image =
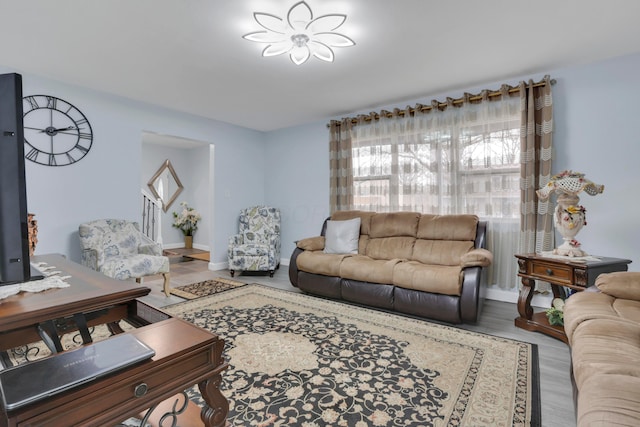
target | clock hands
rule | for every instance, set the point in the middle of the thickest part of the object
(51, 129)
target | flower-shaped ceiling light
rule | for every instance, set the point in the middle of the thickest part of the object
(300, 35)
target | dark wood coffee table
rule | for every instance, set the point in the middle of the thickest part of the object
(186, 355)
(100, 298)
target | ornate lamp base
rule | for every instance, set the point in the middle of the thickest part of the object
(569, 218)
(571, 248)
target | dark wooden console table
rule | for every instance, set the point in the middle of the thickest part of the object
(560, 273)
(100, 298)
(186, 355)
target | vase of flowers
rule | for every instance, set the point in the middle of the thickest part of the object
(187, 222)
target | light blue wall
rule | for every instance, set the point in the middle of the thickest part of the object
(596, 111)
(597, 114)
(106, 183)
(297, 180)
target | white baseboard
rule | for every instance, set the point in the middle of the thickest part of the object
(538, 300)
(214, 266)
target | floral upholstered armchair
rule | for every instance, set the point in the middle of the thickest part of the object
(256, 247)
(119, 250)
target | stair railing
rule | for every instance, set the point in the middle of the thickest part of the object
(151, 216)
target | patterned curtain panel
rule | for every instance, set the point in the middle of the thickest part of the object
(340, 177)
(536, 218)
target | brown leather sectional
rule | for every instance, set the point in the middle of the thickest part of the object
(424, 265)
(603, 328)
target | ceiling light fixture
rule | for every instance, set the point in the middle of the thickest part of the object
(300, 35)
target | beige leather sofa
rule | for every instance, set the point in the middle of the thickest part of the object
(425, 265)
(603, 328)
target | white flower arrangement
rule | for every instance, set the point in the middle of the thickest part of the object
(187, 220)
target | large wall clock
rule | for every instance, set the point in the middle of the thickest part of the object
(55, 132)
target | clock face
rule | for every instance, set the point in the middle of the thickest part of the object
(55, 132)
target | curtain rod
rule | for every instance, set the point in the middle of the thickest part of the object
(491, 94)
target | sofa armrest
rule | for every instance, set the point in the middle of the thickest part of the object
(293, 267)
(89, 258)
(476, 258)
(620, 284)
(150, 249)
(311, 243)
(148, 246)
(471, 296)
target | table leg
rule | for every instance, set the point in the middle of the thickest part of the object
(214, 414)
(524, 300)
(558, 291)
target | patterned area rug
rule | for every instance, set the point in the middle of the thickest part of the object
(206, 288)
(304, 361)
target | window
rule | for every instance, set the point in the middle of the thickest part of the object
(463, 160)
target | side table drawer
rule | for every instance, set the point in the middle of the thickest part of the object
(552, 273)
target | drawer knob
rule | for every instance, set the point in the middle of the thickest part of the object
(549, 272)
(140, 390)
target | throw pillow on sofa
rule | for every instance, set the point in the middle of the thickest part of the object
(341, 237)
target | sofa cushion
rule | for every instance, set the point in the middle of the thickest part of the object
(584, 306)
(366, 269)
(341, 237)
(621, 284)
(134, 266)
(437, 279)
(609, 400)
(319, 262)
(365, 218)
(440, 252)
(390, 247)
(394, 224)
(448, 227)
(605, 346)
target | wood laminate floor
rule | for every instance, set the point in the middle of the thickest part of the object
(496, 319)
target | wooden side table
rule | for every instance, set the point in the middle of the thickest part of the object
(560, 273)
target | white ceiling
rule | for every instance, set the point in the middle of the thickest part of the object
(189, 55)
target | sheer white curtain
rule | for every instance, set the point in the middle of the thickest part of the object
(453, 160)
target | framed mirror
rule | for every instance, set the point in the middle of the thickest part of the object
(165, 185)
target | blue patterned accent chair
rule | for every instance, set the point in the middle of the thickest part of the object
(257, 245)
(119, 250)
